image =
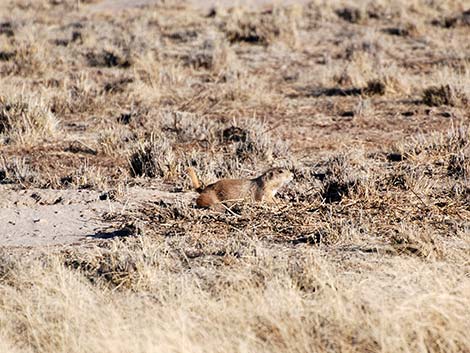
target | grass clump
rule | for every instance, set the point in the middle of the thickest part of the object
(214, 148)
(375, 87)
(350, 14)
(263, 29)
(458, 165)
(25, 120)
(152, 158)
(16, 171)
(459, 20)
(436, 96)
(409, 240)
(26, 59)
(107, 58)
(341, 178)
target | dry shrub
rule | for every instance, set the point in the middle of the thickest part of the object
(351, 14)
(117, 85)
(444, 95)
(108, 58)
(401, 178)
(259, 147)
(7, 55)
(115, 141)
(375, 87)
(183, 127)
(454, 141)
(371, 10)
(85, 176)
(111, 268)
(342, 177)
(213, 55)
(7, 29)
(412, 240)
(17, 171)
(153, 78)
(182, 140)
(28, 58)
(183, 35)
(459, 191)
(460, 20)
(153, 158)
(262, 28)
(77, 93)
(459, 165)
(25, 120)
(48, 5)
(406, 30)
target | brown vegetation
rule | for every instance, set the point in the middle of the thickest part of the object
(367, 103)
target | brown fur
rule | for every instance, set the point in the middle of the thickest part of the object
(262, 188)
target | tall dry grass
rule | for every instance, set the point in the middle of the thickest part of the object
(25, 120)
(147, 298)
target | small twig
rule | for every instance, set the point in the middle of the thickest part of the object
(419, 198)
(230, 211)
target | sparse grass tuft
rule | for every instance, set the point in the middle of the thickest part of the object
(107, 58)
(213, 55)
(458, 20)
(417, 242)
(264, 28)
(26, 58)
(351, 14)
(341, 178)
(375, 87)
(153, 158)
(444, 95)
(25, 120)
(459, 165)
(17, 171)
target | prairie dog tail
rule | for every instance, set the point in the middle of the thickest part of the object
(194, 179)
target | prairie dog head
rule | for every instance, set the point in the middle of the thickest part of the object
(275, 178)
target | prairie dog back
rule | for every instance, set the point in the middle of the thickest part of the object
(262, 188)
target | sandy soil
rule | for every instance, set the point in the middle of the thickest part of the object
(41, 217)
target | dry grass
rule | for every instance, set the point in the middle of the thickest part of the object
(366, 102)
(25, 120)
(149, 297)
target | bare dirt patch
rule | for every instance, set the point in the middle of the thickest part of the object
(45, 217)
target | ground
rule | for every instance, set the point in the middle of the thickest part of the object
(105, 104)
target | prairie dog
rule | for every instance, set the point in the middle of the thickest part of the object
(262, 188)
